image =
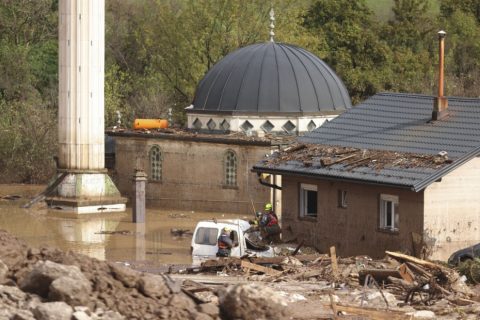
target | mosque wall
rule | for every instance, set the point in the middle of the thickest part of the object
(193, 174)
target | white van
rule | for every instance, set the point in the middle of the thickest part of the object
(205, 237)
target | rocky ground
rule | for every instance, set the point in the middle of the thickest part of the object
(46, 283)
(50, 284)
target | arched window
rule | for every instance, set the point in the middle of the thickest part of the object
(155, 156)
(230, 168)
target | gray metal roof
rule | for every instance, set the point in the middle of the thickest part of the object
(271, 77)
(396, 122)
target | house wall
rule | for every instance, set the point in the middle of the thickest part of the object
(452, 210)
(353, 230)
(193, 175)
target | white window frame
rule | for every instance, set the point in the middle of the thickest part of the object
(389, 207)
(304, 188)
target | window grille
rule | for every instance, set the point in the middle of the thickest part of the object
(230, 161)
(155, 163)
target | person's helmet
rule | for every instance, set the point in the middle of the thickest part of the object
(227, 229)
(268, 207)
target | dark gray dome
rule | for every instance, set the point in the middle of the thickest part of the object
(271, 77)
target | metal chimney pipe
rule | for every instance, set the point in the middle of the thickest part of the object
(441, 55)
(440, 103)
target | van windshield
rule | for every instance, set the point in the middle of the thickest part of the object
(206, 236)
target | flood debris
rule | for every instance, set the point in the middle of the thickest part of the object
(180, 232)
(120, 232)
(10, 197)
(325, 156)
(396, 287)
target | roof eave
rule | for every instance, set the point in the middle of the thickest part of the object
(328, 177)
(446, 170)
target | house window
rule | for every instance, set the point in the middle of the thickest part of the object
(230, 165)
(342, 198)
(308, 200)
(155, 163)
(389, 215)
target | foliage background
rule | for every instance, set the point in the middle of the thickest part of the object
(158, 50)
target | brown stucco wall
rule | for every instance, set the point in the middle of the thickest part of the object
(452, 210)
(192, 174)
(354, 230)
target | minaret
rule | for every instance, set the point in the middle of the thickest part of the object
(272, 24)
(85, 187)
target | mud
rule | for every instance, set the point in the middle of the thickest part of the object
(108, 236)
(131, 294)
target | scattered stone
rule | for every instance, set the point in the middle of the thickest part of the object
(251, 301)
(209, 308)
(127, 276)
(80, 315)
(153, 286)
(3, 272)
(424, 314)
(75, 292)
(53, 311)
(44, 273)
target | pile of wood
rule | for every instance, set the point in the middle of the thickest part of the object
(412, 280)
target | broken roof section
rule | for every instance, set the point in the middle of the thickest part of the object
(392, 137)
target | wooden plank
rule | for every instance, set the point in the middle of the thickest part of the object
(266, 270)
(406, 273)
(333, 256)
(380, 275)
(420, 262)
(213, 263)
(373, 313)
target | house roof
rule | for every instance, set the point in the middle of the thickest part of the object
(398, 123)
(271, 78)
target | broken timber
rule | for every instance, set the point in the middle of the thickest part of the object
(256, 267)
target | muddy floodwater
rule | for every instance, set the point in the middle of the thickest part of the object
(107, 236)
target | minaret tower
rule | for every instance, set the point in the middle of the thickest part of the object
(85, 186)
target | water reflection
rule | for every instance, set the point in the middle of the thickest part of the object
(108, 236)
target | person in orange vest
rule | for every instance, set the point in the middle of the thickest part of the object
(269, 223)
(225, 243)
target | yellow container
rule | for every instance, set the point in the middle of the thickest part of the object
(150, 124)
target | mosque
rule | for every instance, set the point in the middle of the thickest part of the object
(249, 104)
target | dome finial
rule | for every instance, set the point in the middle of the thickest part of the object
(272, 25)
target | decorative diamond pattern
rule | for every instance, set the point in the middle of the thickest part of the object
(267, 126)
(289, 126)
(224, 125)
(311, 126)
(197, 124)
(246, 126)
(211, 124)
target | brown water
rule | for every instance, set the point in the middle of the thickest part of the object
(148, 244)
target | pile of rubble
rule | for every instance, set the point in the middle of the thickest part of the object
(50, 284)
(394, 287)
(325, 156)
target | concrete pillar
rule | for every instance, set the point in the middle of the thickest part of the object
(138, 206)
(86, 188)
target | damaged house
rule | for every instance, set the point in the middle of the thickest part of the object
(382, 175)
(397, 172)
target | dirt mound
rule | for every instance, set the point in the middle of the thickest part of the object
(109, 291)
